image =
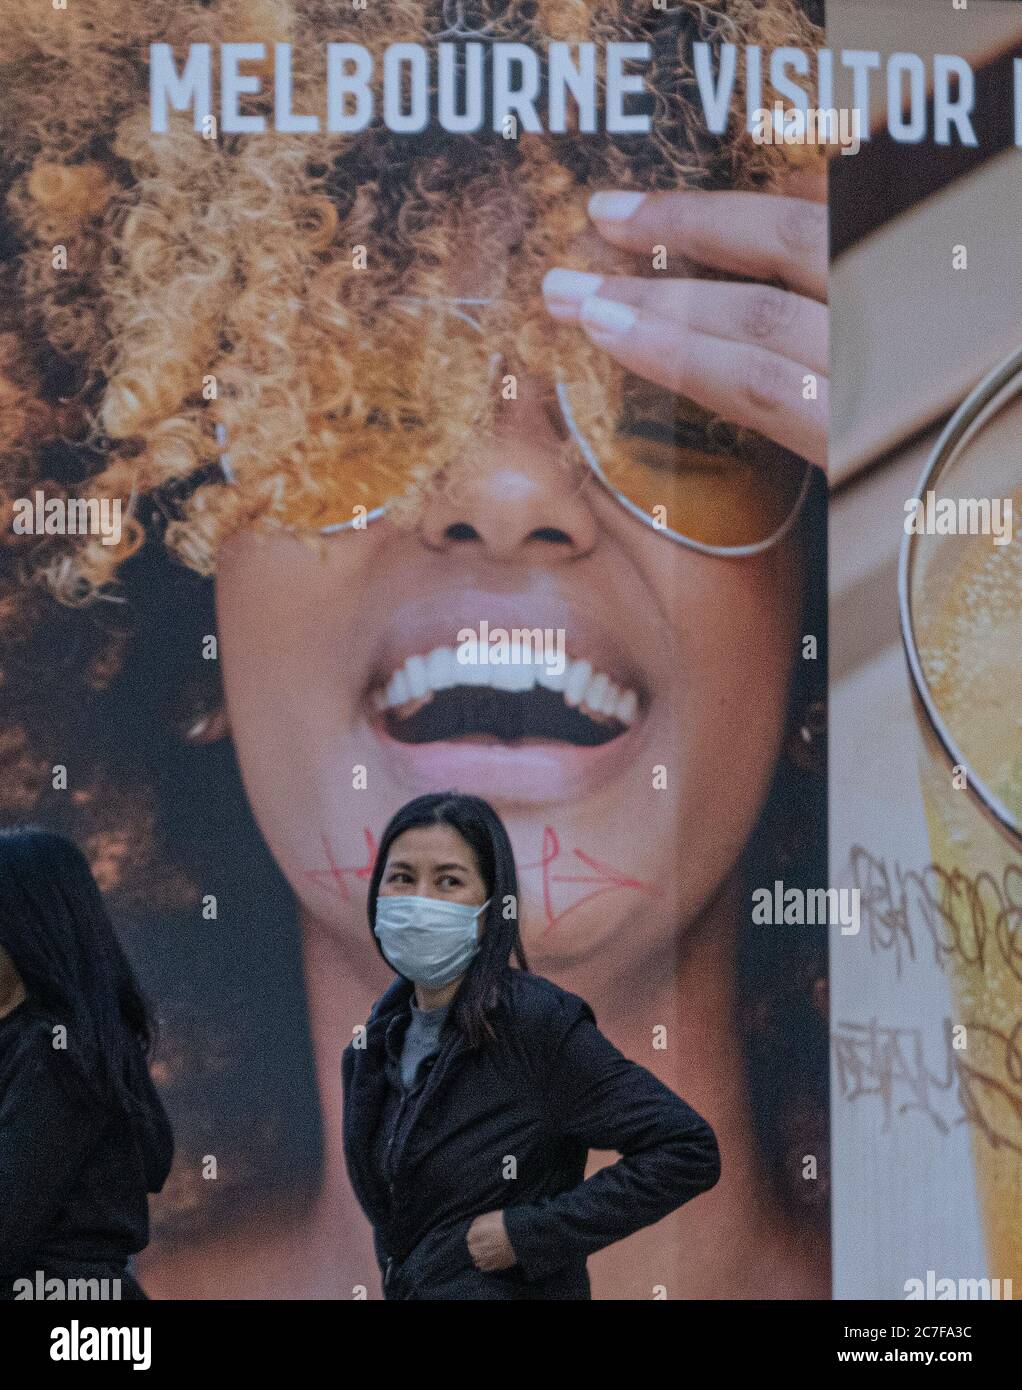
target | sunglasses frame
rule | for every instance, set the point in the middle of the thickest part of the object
(736, 552)
(457, 308)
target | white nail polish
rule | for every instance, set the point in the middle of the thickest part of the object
(573, 285)
(614, 207)
(608, 316)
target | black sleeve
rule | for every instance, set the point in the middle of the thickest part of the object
(45, 1138)
(347, 1066)
(158, 1175)
(149, 1122)
(381, 1254)
(159, 1150)
(669, 1154)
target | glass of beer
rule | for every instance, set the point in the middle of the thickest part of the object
(960, 595)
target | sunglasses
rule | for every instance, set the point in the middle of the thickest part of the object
(714, 492)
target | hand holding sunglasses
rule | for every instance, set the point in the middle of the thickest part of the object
(741, 350)
(685, 347)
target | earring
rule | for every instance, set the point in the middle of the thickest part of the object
(207, 728)
(806, 745)
(200, 715)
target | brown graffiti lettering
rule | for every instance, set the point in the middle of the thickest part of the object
(888, 1063)
(972, 918)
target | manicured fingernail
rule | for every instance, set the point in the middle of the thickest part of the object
(614, 207)
(607, 318)
(564, 291)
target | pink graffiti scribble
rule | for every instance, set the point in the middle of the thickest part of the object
(607, 878)
(604, 878)
(336, 874)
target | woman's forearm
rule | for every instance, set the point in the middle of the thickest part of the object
(638, 1190)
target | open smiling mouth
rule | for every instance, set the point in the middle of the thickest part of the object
(435, 698)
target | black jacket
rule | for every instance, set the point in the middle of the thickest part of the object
(509, 1126)
(73, 1180)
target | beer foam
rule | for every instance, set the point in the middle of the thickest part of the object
(970, 646)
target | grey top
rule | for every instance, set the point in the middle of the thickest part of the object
(421, 1040)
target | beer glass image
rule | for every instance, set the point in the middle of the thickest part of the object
(961, 620)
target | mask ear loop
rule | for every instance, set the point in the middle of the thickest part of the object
(722, 551)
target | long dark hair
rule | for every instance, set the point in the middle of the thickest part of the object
(479, 826)
(783, 976)
(56, 929)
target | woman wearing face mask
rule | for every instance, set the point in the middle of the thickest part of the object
(475, 1091)
(83, 1134)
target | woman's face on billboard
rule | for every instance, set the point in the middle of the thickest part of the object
(622, 831)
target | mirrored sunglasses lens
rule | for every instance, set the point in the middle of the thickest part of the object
(685, 471)
(342, 500)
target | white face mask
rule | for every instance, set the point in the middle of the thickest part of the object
(428, 940)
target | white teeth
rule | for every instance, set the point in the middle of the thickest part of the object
(627, 707)
(416, 670)
(595, 691)
(398, 691)
(500, 677)
(471, 673)
(610, 699)
(440, 673)
(421, 676)
(520, 677)
(552, 680)
(580, 673)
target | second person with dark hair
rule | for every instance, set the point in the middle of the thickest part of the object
(476, 1089)
(84, 1137)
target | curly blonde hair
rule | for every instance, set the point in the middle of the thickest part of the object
(209, 291)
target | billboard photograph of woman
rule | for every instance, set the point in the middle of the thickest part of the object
(361, 395)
